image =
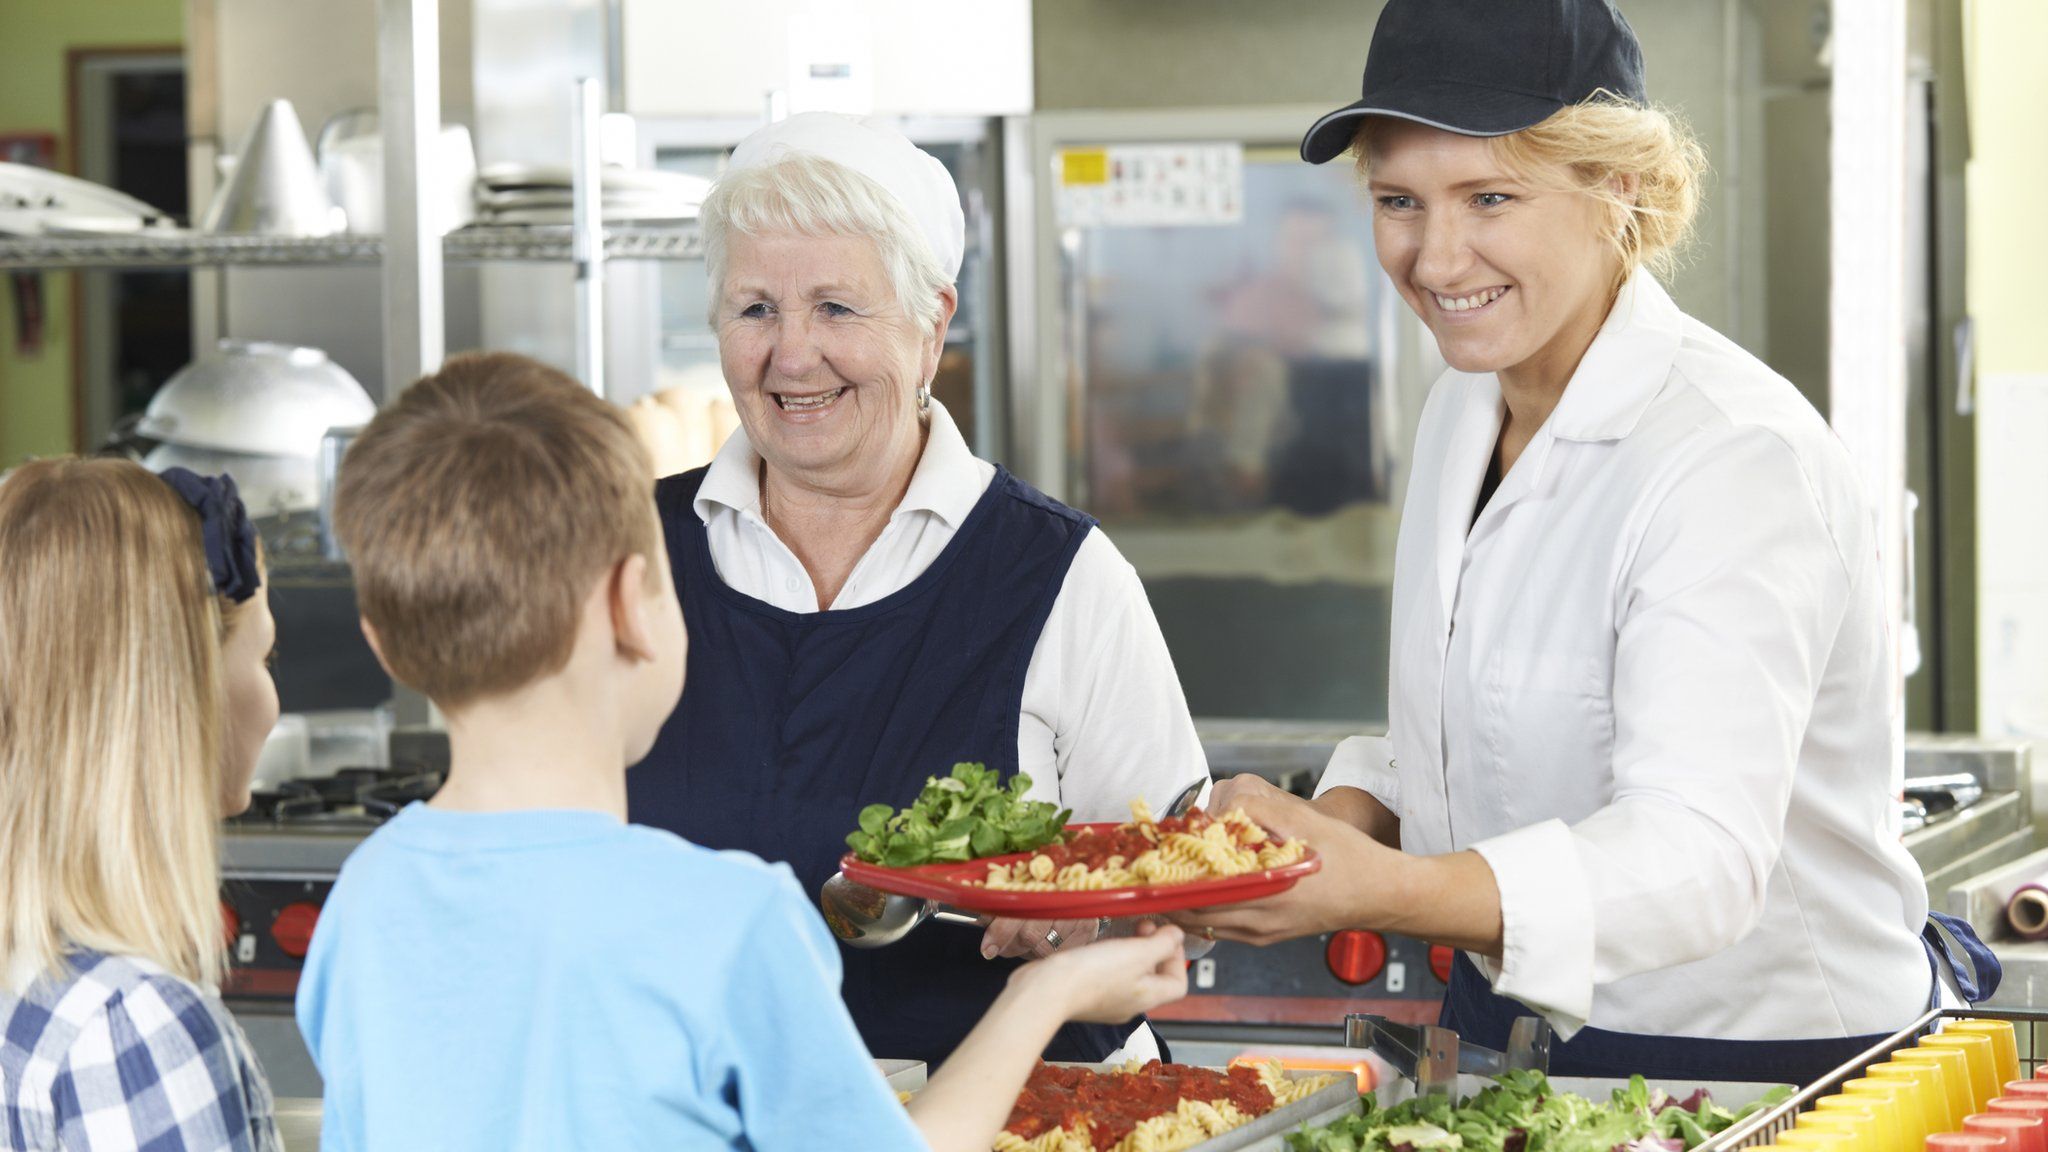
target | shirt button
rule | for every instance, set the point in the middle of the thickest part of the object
(791, 583)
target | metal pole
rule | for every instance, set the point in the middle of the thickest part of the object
(586, 243)
(1867, 275)
(409, 115)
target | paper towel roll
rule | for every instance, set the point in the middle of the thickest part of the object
(2027, 912)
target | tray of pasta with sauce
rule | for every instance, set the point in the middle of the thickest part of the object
(1154, 1107)
(1137, 868)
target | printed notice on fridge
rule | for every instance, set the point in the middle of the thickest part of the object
(1149, 185)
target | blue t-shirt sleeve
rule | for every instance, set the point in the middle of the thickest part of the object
(802, 1078)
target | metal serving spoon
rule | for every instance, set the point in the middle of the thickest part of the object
(866, 918)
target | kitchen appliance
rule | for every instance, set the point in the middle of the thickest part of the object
(1210, 361)
(275, 188)
(257, 397)
(282, 856)
(280, 859)
(258, 411)
(269, 485)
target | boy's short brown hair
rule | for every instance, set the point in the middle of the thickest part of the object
(476, 512)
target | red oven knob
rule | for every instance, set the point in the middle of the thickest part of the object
(1440, 956)
(293, 928)
(230, 922)
(1355, 956)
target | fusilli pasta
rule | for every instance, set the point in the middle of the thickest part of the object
(1128, 1111)
(1177, 850)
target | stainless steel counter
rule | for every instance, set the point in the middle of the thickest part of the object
(298, 1123)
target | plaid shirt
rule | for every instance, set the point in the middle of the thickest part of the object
(119, 1054)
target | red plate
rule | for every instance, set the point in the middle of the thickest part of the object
(949, 884)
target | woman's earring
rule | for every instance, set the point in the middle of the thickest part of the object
(924, 400)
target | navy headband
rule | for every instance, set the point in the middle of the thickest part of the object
(224, 527)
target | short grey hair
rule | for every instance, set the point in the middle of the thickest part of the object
(811, 196)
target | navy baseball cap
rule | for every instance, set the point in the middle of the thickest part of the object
(1485, 67)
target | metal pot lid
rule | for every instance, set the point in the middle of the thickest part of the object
(257, 397)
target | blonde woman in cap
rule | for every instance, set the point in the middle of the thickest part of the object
(1642, 696)
(868, 602)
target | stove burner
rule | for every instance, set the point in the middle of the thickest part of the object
(351, 798)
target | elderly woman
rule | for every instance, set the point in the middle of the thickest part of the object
(1642, 694)
(868, 603)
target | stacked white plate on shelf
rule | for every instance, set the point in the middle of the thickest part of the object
(539, 194)
(38, 202)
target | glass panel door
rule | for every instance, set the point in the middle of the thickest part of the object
(1241, 427)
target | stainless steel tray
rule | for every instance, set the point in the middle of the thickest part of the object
(1268, 1132)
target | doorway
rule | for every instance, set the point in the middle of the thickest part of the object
(132, 329)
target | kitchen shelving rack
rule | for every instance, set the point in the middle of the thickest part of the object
(473, 245)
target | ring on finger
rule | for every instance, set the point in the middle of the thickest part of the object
(1209, 934)
(1053, 939)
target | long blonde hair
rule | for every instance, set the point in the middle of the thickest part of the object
(111, 723)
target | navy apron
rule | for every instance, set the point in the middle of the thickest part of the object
(791, 723)
(1477, 1013)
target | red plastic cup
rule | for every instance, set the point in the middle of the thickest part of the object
(2026, 1088)
(2020, 1105)
(1967, 1142)
(2026, 1133)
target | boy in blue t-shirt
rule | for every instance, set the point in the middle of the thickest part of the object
(512, 965)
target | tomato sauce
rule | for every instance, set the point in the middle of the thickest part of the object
(1094, 847)
(1110, 1104)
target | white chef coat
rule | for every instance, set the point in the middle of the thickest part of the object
(1652, 686)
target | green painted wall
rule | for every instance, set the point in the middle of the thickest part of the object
(35, 392)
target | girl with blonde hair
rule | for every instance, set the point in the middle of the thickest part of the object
(134, 699)
(1642, 704)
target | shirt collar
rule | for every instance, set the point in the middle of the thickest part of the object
(946, 483)
(1625, 367)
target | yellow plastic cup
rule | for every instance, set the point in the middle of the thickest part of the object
(1822, 1140)
(2004, 1046)
(1861, 1125)
(1905, 1099)
(1929, 1089)
(1981, 1057)
(1955, 1078)
(1881, 1113)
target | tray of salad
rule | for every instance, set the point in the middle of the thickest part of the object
(1524, 1111)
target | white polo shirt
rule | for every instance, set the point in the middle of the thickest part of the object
(1104, 720)
(1652, 686)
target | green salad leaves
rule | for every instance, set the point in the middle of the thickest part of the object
(1520, 1112)
(964, 816)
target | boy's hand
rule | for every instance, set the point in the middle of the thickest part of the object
(1113, 980)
